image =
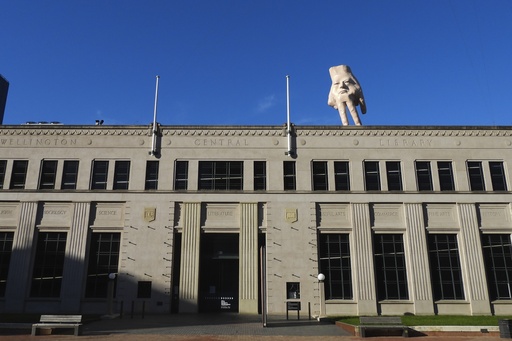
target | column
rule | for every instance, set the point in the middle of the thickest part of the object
(73, 279)
(475, 282)
(417, 256)
(362, 271)
(18, 283)
(189, 266)
(248, 261)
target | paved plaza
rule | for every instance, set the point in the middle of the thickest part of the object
(214, 327)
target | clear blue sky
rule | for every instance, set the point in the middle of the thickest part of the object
(224, 62)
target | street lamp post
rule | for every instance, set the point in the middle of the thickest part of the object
(321, 278)
(110, 293)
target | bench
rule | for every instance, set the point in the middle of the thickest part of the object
(59, 321)
(293, 305)
(382, 323)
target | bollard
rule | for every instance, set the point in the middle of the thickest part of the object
(309, 310)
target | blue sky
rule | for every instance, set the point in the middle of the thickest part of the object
(224, 62)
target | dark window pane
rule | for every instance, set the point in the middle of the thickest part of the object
(121, 175)
(289, 175)
(444, 169)
(103, 260)
(221, 175)
(19, 174)
(260, 175)
(498, 180)
(99, 174)
(497, 250)
(341, 176)
(48, 174)
(445, 267)
(6, 239)
(181, 177)
(476, 176)
(3, 169)
(320, 182)
(334, 252)
(391, 275)
(151, 175)
(69, 174)
(48, 264)
(372, 175)
(423, 176)
(394, 175)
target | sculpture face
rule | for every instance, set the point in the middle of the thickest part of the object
(346, 93)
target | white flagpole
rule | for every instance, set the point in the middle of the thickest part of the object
(153, 142)
(288, 127)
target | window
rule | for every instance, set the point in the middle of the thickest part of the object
(444, 169)
(19, 174)
(390, 269)
(445, 267)
(423, 176)
(394, 175)
(48, 264)
(6, 239)
(497, 176)
(121, 175)
(372, 175)
(476, 176)
(289, 176)
(181, 177)
(144, 289)
(151, 175)
(260, 175)
(320, 182)
(103, 260)
(341, 176)
(69, 174)
(99, 174)
(498, 265)
(335, 265)
(48, 174)
(221, 175)
(3, 169)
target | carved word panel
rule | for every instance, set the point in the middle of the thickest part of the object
(55, 215)
(495, 217)
(441, 216)
(224, 216)
(8, 215)
(333, 216)
(108, 216)
(388, 216)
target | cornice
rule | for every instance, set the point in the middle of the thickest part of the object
(302, 131)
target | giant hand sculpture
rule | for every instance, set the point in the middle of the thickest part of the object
(346, 92)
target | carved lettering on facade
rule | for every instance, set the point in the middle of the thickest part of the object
(44, 142)
(405, 143)
(220, 213)
(221, 142)
(55, 212)
(107, 212)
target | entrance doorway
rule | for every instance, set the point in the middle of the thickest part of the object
(218, 272)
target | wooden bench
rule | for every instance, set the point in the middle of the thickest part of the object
(59, 321)
(382, 323)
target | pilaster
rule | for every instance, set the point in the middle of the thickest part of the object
(189, 278)
(248, 263)
(75, 263)
(420, 288)
(19, 281)
(363, 273)
(472, 261)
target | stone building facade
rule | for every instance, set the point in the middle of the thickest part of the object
(225, 218)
